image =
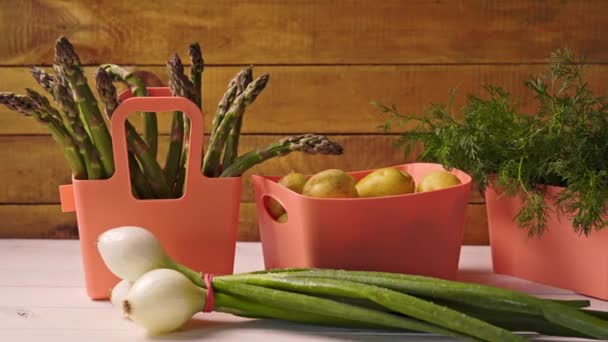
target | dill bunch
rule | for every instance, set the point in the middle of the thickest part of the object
(564, 143)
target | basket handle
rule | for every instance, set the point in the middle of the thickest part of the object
(159, 99)
(266, 188)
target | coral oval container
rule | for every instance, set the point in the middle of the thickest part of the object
(198, 230)
(418, 233)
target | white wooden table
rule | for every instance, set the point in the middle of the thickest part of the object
(42, 299)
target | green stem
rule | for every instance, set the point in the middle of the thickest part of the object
(69, 64)
(392, 300)
(194, 276)
(172, 164)
(250, 159)
(473, 294)
(330, 308)
(211, 163)
(138, 88)
(516, 322)
(232, 144)
(150, 167)
(307, 143)
(244, 308)
(70, 150)
(140, 187)
(222, 108)
(178, 189)
(92, 161)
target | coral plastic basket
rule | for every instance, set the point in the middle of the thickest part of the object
(199, 229)
(418, 233)
(560, 257)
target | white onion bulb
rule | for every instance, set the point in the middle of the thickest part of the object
(163, 300)
(119, 293)
(129, 252)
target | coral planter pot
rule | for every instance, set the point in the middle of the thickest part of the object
(560, 257)
(199, 229)
(418, 233)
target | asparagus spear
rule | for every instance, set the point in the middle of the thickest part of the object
(180, 86)
(44, 104)
(54, 85)
(307, 143)
(139, 186)
(151, 169)
(216, 145)
(74, 128)
(232, 144)
(196, 71)
(43, 78)
(59, 90)
(107, 93)
(231, 93)
(28, 107)
(69, 67)
(138, 88)
(71, 119)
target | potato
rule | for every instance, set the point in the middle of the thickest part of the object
(283, 218)
(385, 182)
(293, 181)
(332, 183)
(436, 180)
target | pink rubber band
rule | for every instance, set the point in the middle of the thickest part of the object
(210, 300)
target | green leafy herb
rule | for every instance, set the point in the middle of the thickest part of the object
(565, 143)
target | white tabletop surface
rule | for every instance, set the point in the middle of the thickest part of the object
(42, 299)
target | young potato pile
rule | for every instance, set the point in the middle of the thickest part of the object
(334, 183)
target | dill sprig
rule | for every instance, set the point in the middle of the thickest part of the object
(564, 143)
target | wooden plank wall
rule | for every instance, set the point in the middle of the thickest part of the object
(327, 59)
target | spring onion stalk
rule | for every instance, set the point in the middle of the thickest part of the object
(165, 295)
(395, 301)
(163, 300)
(476, 294)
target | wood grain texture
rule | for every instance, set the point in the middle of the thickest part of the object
(476, 228)
(37, 221)
(305, 31)
(331, 99)
(47, 221)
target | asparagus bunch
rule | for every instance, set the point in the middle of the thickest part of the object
(68, 115)
(77, 123)
(211, 166)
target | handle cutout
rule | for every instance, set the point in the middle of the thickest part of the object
(275, 209)
(159, 100)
